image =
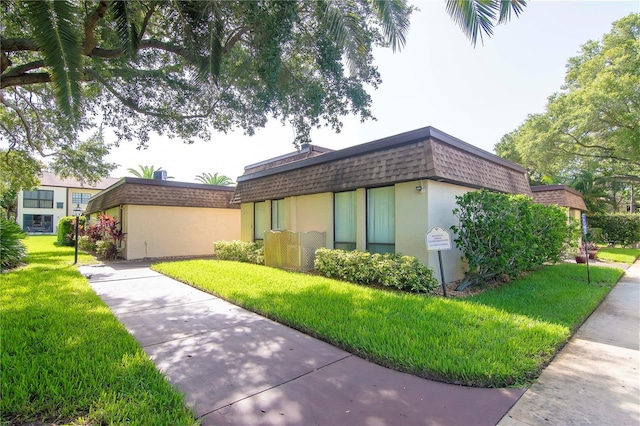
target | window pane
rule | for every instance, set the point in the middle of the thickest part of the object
(381, 219)
(277, 214)
(259, 222)
(345, 219)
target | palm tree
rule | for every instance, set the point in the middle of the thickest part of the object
(214, 179)
(145, 172)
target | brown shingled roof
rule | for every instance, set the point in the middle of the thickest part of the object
(560, 195)
(425, 153)
(151, 192)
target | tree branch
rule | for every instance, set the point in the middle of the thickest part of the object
(233, 40)
(133, 105)
(22, 69)
(90, 26)
(25, 79)
(17, 44)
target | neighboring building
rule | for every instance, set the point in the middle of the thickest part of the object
(40, 210)
(560, 195)
(382, 196)
(168, 219)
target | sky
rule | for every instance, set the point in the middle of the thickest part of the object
(439, 79)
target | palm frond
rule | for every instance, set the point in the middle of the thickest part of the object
(61, 48)
(476, 17)
(394, 16)
(125, 27)
(342, 24)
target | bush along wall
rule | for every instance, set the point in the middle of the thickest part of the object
(239, 251)
(390, 270)
(67, 230)
(616, 228)
(504, 235)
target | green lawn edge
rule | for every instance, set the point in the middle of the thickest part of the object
(66, 359)
(501, 338)
(618, 254)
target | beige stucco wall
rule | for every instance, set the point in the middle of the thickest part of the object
(411, 219)
(314, 213)
(442, 201)
(246, 219)
(160, 231)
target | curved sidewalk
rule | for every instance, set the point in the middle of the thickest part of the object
(236, 367)
(595, 379)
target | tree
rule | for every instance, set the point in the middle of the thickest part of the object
(186, 69)
(145, 172)
(214, 179)
(17, 172)
(593, 124)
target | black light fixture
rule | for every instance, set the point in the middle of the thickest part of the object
(76, 212)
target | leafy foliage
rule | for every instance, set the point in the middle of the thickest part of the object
(67, 230)
(620, 228)
(12, 249)
(592, 125)
(186, 69)
(505, 235)
(390, 270)
(104, 237)
(145, 172)
(214, 179)
(240, 251)
(17, 172)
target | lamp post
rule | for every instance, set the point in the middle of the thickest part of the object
(76, 213)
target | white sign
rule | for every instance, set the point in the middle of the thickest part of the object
(438, 239)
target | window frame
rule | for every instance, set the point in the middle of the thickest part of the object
(41, 202)
(255, 221)
(278, 223)
(391, 247)
(345, 245)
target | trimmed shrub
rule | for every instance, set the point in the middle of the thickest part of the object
(107, 249)
(12, 249)
(67, 230)
(239, 251)
(505, 235)
(616, 228)
(390, 270)
(86, 244)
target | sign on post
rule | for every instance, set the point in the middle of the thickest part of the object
(439, 239)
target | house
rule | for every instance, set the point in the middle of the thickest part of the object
(168, 219)
(560, 195)
(40, 210)
(381, 196)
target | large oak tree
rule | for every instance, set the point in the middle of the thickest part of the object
(187, 68)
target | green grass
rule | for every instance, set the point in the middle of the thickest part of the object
(66, 359)
(503, 337)
(615, 254)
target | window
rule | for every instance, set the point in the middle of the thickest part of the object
(37, 222)
(80, 197)
(59, 205)
(381, 220)
(259, 222)
(344, 220)
(277, 214)
(38, 199)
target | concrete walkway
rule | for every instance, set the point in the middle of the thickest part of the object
(236, 367)
(595, 379)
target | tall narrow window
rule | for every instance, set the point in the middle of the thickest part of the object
(277, 214)
(259, 222)
(381, 220)
(344, 220)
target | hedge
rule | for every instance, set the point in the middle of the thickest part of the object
(616, 228)
(239, 251)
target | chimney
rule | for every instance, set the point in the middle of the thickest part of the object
(160, 175)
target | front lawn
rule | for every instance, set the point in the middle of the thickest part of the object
(66, 359)
(502, 337)
(617, 254)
